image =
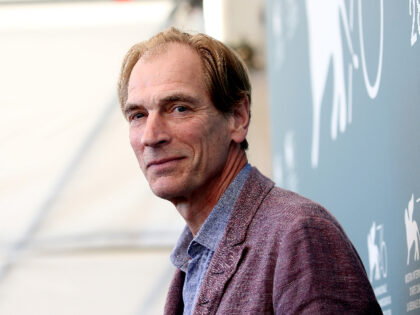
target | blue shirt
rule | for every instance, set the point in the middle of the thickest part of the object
(193, 255)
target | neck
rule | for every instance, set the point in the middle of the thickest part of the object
(197, 208)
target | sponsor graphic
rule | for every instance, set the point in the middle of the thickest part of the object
(412, 278)
(377, 253)
(330, 30)
(414, 10)
(378, 266)
(412, 231)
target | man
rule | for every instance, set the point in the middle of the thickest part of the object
(248, 247)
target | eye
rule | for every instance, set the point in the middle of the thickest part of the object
(180, 108)
(136, 116)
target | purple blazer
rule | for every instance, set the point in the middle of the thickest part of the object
(280, 254)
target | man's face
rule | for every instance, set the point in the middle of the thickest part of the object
(180, 139)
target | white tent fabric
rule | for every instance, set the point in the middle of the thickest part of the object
(80, 232)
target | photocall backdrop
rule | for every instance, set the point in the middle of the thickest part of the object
(344, 82)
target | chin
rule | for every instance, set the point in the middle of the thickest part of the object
(167, 191)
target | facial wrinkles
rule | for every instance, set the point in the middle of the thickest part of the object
(201, 135)
(157, 151)
(201, 153)
(208, 146)
(170, 148)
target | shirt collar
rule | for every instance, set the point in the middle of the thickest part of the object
(214, 226)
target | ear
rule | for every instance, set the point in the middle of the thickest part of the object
(240, 120)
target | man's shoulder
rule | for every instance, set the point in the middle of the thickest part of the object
(291, 206)
(281, 209)
(285, 203)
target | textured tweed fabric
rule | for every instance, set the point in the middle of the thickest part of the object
(280, 254)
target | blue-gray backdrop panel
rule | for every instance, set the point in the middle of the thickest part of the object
(344, 82)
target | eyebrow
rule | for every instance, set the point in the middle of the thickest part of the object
(177, 97)
(128, 108)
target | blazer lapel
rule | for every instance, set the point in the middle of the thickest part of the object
(221, 269)
(232, 248)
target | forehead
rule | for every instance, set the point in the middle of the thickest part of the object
(175, 65)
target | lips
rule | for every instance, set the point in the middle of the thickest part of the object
(162, 162)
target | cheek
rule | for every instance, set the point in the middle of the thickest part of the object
(219, 134)
(134, 137)
(215, 142)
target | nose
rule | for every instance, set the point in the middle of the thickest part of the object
(155, 131)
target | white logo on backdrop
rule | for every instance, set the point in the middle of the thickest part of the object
(378, 259)
(412, 230)
(326, 20)
(414, 7)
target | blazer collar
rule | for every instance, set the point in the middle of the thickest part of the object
(253, 193)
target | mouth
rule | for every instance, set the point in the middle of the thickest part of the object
(162, 162)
